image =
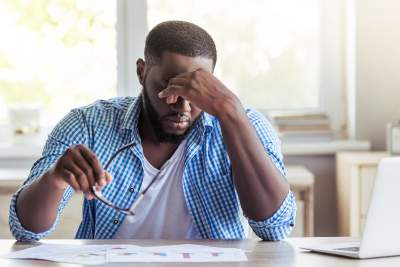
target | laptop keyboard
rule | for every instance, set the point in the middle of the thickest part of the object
(355, 249)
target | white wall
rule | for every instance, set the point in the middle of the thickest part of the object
(377, 68)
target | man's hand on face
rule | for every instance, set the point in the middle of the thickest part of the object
(202, 89)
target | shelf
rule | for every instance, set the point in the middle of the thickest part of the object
(10, 151)
(324, 148)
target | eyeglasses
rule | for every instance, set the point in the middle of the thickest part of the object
(128, 211)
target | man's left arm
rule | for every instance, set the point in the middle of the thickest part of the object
(263, 191)
(258, 171)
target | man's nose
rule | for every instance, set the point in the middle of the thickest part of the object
(181, 105)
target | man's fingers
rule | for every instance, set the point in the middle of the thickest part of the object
(178, 81)
(172, 99)
(80, 177)
(95, 165)
(108, 177)
(175, 90)
(71, 180)
(83, 166)
(81, 181)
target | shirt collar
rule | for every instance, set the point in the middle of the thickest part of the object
(205, 120)
(132, 115)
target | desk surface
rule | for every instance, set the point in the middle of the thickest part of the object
(259, 253)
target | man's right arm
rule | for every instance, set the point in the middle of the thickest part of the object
(65, 166)
(78, 168)
(37, 205)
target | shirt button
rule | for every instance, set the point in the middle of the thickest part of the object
(131, 189)
(115, 222)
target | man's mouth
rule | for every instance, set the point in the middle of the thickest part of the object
(177, 122)
(177, 119)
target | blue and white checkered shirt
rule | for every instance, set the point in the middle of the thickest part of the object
(208, 185)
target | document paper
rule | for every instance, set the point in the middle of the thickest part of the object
(99, 254)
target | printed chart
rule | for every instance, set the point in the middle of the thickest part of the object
(99, 254)
(178, 253)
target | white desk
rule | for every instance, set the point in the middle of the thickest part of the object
(265, 254)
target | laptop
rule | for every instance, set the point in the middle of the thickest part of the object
(381, 235)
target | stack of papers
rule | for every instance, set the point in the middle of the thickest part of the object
(297, 127)
(99, 254)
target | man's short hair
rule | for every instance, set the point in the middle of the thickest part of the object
(179, 37)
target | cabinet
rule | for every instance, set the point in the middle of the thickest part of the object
(301, 182)
(355, 176)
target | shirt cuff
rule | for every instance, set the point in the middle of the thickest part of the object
(280, 224)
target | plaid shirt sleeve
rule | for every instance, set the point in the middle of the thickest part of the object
(281, 223)
(68, 132)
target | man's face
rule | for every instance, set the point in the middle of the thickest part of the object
(170, 122)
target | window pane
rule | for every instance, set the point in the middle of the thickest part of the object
(268, 50)
(57, 54)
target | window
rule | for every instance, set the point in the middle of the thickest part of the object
(268, 50)
(275, 54)
(57, 54)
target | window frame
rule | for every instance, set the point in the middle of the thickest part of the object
(132, 28)
(131, 31)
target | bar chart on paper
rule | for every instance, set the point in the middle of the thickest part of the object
(178, 253)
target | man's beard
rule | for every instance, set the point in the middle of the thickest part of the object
(155, 121)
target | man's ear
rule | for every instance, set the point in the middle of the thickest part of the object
(140, 69)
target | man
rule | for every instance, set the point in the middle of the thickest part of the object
(214, 160)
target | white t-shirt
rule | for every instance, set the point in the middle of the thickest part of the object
(162, 214)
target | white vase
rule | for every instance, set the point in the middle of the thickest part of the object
(25, 124)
